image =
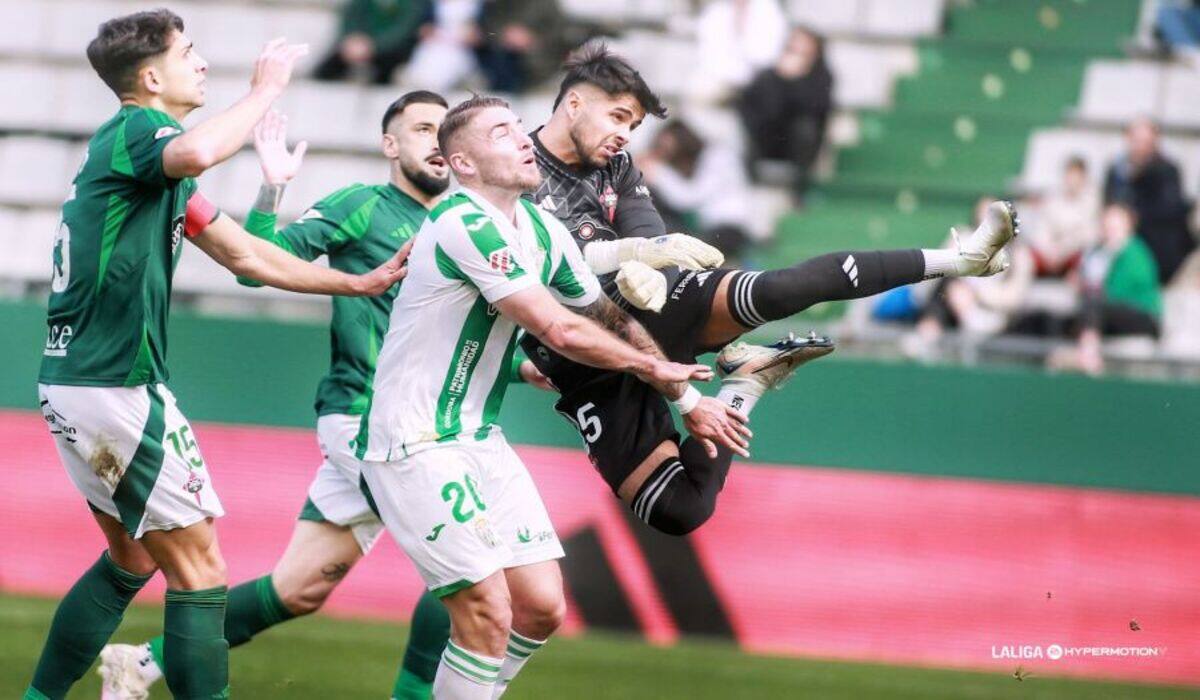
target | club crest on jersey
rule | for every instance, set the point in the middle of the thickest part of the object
(502, 261)
(609, 201)
(165, 132)
(586, 231)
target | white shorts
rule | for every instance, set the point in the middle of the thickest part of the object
(132, 454)
(335, 495)
(463, 511)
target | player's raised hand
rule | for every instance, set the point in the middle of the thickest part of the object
(381, 279)
(273, 69)
(713, 423)
(664, 372)
(279, 165)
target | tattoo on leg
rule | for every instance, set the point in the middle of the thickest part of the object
(335, 572)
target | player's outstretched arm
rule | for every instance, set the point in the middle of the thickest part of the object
(244, 255)
(581, 340)
(218, 138)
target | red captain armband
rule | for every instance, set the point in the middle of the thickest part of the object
(200, 213)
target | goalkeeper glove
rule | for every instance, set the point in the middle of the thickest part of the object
(642, 285)
(676, 249)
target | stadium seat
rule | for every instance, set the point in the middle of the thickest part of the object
(908, 19)
(22, 31)
(828, 17)
(37, 170)
(1117, 91)
(865, 73)
(1049, 149)
(1181, 98)
(27, 238)
(26, 78)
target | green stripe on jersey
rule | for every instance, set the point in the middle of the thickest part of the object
(469, 350)
(121, 161)
(565, 281)
(495, 398)
(446, 264)
(114, 219)
(357, 224)
(449, 203)
(488, 241)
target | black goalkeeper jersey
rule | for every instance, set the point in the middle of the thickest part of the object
(597, 204)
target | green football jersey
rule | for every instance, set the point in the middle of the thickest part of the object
(114, 256)
(359, 227)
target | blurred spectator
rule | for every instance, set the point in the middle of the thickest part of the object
(445, 55)
(976, 306)
(1067, 223)
(1119, 291)
(786, 107)
(523, 42)
(376, 36)
(1150, 183)
(699, 187)
(735, 40)
(1178, 23)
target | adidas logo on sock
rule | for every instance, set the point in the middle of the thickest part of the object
(851, 270)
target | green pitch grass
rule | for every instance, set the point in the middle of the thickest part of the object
(320, 657)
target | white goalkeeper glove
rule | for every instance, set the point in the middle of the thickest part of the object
(642, 285)
(675, 249)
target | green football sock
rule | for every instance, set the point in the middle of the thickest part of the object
(85, 619)
(253, 607)
(426, 639)
(194, 649)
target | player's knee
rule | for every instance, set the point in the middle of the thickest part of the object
(306, 599)
(682, 510)
(132, 558)
(541, 615)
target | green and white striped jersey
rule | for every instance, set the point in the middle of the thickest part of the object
(443, 368)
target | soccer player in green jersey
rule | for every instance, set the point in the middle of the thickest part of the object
(357, 227)
(119, 433)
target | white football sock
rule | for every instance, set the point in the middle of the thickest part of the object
(520, 648)
(739, 394)
(941, 262)
(465, 675)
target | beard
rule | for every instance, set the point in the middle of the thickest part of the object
(427, 182)
(586, 155)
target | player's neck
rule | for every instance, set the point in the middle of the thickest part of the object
(407, 187)
(504, 199)
(556, 138)
(177, 112)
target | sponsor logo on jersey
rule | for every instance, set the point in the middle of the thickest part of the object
(308, 215)
(57, 340)
(502, 261)
(641, 191)
(166, 131)
(176, 233)
(548, 204)
(609, 201)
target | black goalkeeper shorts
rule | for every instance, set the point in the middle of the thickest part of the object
(620, 418)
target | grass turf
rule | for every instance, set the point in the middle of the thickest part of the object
(322, 657)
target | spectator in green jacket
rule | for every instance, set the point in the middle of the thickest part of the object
(376, 36)
(1119, 278)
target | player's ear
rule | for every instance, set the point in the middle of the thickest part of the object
(150, 79)
(391, 147)
(461, 164)
(574, 102)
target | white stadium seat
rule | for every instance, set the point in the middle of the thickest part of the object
(1181, 98)
(37, 170)
(1049, 149)
(25, 78)
(1117, 91)
(828, 17)
(23, 30)
(27, 238)
(908, 19)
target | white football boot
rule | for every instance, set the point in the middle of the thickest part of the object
(753, 369)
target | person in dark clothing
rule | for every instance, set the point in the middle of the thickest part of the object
(376, 36)
(1146, 180)
(522, 42)
(785, 108)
